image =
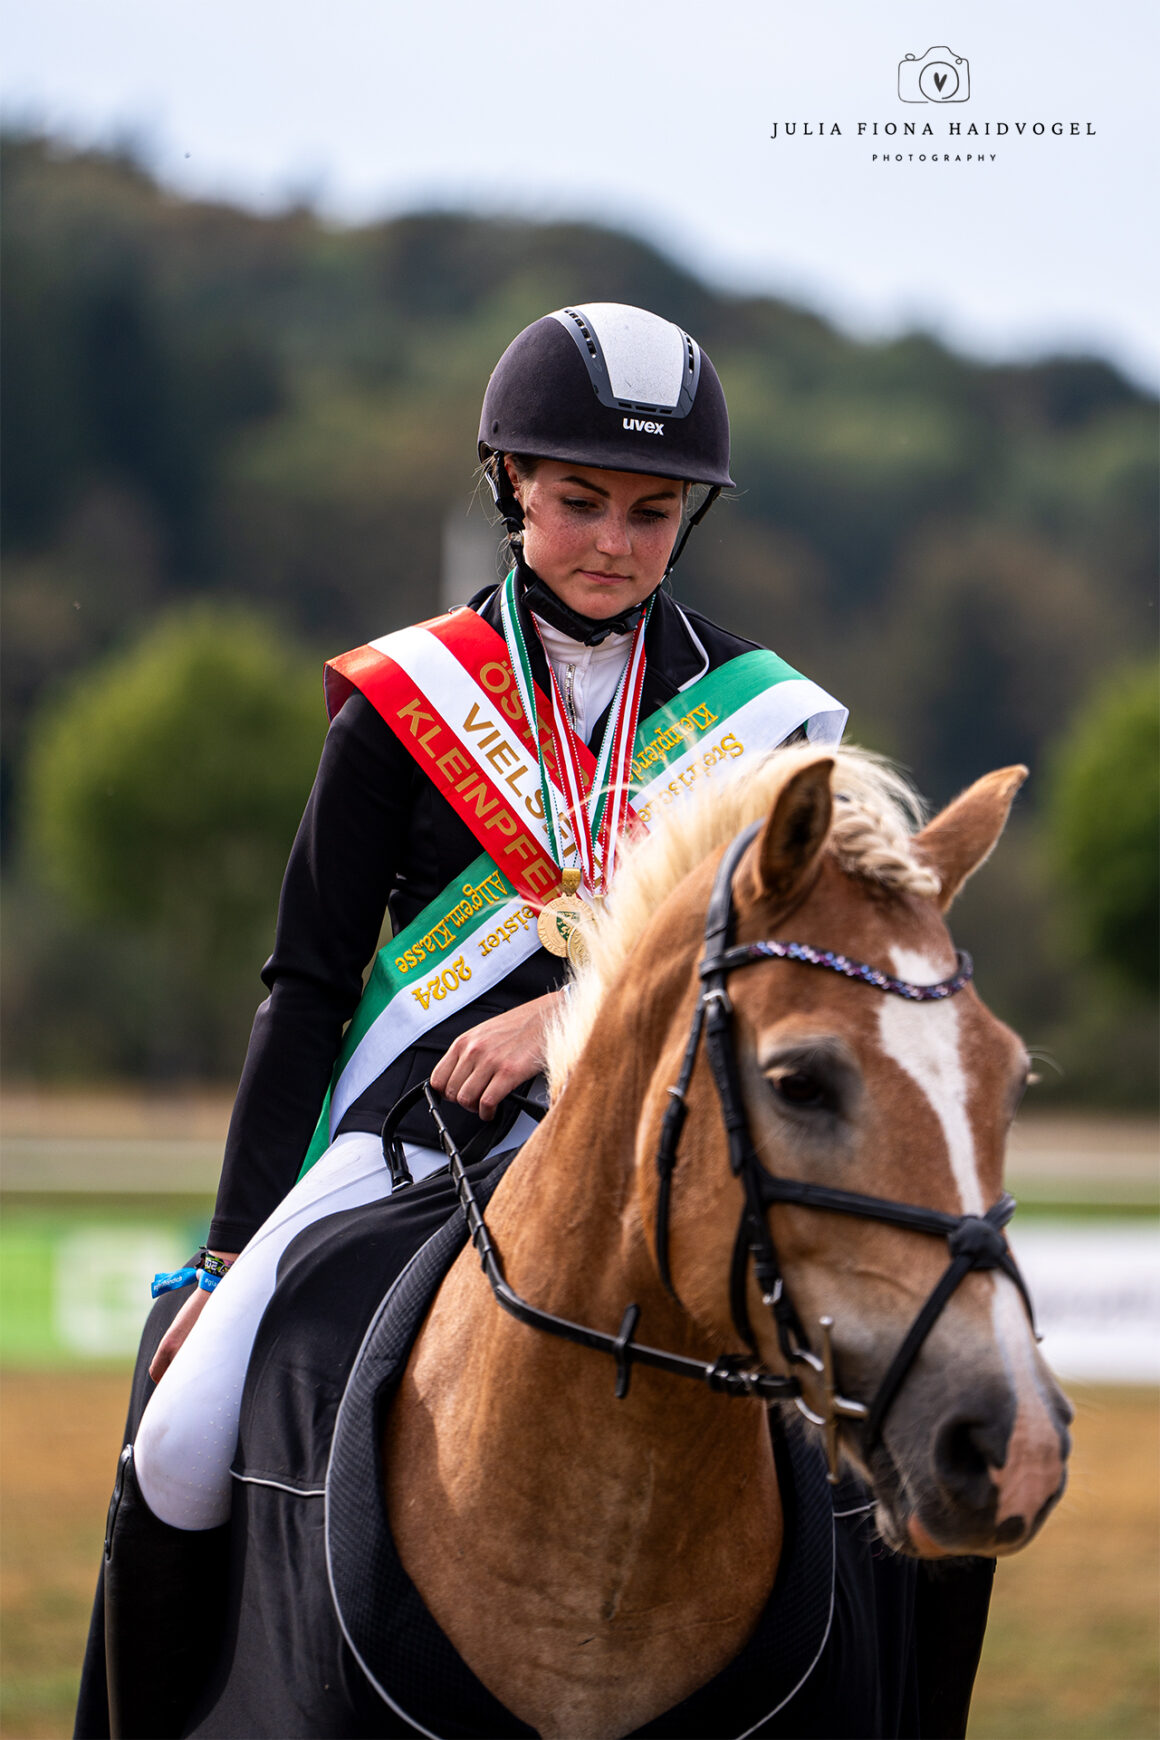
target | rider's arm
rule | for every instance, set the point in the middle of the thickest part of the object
(178, 1330)
(334, 895)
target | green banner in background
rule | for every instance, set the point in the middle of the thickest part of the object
(74, 1283)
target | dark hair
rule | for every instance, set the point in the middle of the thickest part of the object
(526, 464)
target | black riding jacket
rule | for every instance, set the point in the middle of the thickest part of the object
(376, 838)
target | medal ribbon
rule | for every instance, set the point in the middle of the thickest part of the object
(599, 811)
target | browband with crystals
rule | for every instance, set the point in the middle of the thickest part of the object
(794, 951)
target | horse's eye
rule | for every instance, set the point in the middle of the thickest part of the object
(798, 1088)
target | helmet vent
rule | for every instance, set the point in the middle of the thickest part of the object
(636, 361)
(592, 350)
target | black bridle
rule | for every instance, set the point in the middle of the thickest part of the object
(974, 1241)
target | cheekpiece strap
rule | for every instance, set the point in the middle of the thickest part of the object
(718, 934)
(719, 918)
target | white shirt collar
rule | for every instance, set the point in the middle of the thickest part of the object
(587, 675)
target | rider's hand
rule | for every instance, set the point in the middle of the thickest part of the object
(484, 1064)
(175, 1335)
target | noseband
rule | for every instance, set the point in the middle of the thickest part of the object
(974, 1241)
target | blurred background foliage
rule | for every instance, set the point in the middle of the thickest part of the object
(232, 443)
(1105, 823)
(163, 791)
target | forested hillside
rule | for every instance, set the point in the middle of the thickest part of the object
(205, 404)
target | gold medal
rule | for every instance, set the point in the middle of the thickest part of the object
(578, 951)
(560, 921)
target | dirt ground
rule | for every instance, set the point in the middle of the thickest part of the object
(1071, 1650)
(59, 1441)
(1070, 1654)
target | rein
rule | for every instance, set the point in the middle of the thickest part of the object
(724, 1374)
(975, 1242)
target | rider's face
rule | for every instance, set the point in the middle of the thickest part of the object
(600, 539)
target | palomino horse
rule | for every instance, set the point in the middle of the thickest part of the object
(595, 1560)
(773, 1164)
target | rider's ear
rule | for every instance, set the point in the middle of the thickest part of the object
(795, 833)
(963, 835)
(513, 475)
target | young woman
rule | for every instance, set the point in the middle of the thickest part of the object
(470, 761)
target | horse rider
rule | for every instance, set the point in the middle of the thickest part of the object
(471, 761)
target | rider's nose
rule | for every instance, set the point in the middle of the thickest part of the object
(612, 537)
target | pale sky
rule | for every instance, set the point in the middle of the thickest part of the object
(656, 115)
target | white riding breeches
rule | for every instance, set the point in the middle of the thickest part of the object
(188, 1432)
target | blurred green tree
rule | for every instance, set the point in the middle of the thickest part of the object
(163, 792)
(1104, 822)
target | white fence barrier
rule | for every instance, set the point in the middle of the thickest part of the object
(1096, 1289)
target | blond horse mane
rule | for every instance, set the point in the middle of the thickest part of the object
(874, 818)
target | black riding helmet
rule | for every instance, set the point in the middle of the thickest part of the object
(611, 386)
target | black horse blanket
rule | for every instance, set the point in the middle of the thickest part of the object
(325, 1635)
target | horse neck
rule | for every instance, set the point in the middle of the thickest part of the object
(638, 1537)
(567, 1222)
(569, 1216)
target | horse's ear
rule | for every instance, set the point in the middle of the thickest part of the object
(795, 832)
(963, 836)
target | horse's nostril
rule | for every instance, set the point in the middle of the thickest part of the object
(966, 1452)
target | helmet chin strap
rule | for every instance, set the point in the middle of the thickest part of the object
(589, 630)
(693, 520)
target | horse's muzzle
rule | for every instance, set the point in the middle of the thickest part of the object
(997, 1467)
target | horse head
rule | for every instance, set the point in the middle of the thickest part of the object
(859, 1084)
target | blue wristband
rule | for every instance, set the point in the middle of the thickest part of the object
(206, 1281)
(169, 1283)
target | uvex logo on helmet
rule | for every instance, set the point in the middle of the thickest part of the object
(643, 428)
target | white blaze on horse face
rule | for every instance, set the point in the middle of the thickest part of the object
(923, 1039)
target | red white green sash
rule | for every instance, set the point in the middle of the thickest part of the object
(448, 691)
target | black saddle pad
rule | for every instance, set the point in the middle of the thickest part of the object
(409, 1661)
(332, 1280)
(832, 1654)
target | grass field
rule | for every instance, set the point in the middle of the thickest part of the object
(1070, 1655)
(1071, 1650)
